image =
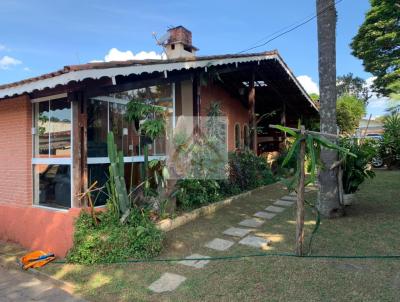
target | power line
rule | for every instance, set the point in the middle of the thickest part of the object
(290, 29)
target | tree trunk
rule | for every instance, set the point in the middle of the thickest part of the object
(328, 198)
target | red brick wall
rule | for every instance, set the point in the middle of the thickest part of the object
(32, 227)
(16, 151)
(232, 108)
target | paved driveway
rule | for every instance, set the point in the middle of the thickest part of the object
(19, 286)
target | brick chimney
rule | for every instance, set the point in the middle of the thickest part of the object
(179, 43)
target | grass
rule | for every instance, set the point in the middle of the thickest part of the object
(371, 226)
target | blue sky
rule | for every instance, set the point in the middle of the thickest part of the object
(42, 36)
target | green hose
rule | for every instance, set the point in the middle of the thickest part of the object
(394, 257)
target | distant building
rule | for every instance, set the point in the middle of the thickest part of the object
(373, 127)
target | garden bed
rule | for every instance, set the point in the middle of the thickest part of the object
(169, 224)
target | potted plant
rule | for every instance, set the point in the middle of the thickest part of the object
(356, 169)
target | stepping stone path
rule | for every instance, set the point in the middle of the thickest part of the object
(264, 215)
(284, 203)
(255, 241)
(195, 263)
(252, 222)
(290, 198)
(219, 244)
(167, 283)
(237, 232)
(274, 209)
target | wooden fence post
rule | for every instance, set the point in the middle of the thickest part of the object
(300, 196)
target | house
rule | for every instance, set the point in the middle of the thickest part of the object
(54, 126)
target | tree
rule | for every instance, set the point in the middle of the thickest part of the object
(377, 43)
(328, 198)
(349, 112)
(314, 97)
(349, 84)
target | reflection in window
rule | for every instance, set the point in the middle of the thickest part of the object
(53, 185)
(107, 113)
(53, 129)
(97, 128)
(237, 136)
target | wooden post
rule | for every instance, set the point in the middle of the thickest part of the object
(300, 197)
(76, 150)
(283, 122)
(252, 114)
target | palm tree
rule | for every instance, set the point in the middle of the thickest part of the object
(328, 199)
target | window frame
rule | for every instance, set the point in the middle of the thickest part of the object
(68, 161)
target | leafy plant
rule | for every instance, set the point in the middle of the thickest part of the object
(314, 144)
(356, 169)
(247, 171)
(350, 110)
(390, 145)
(193, 193)
(116, 187)
(109, 241)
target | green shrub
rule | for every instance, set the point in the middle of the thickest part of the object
(193, 193)
(356, 169)
(248, 171)
(111, 241)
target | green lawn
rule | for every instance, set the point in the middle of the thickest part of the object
(371, 226)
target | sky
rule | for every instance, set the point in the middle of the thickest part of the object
(37, 37)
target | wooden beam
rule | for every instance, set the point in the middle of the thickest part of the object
(76, 150)
(252, 114)
(196, 101)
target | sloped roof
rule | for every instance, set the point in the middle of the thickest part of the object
(98, 70)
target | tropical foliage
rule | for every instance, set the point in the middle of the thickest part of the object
(390, 145)
(356, 169)
(377, 43)
(350, 110)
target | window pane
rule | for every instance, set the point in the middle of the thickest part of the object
(97, 128)
(119, 126)
(42, 125)
(100, 174)
(52, 185)
(60, 128)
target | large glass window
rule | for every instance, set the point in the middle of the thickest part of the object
(52, 153)
(107, 113)
(53, 129)
(53, 185)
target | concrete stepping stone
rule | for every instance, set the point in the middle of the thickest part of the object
(255, 241)
(288, 197)
(264, 215)
(219, 244)
(274, 209)
(195, 263)
(237, 232)
(252, 222)
(293, 193)
(284, 203)
(167, 283)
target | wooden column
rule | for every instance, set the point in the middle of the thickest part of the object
(283, 123)
(300, 197)
(79, 149)
(196, 101)
(252, 113)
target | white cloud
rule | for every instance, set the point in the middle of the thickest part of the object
(116, 55)
(6, 62)
(2, 47)
(377, 105)
(309, 85)
(27, 69)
